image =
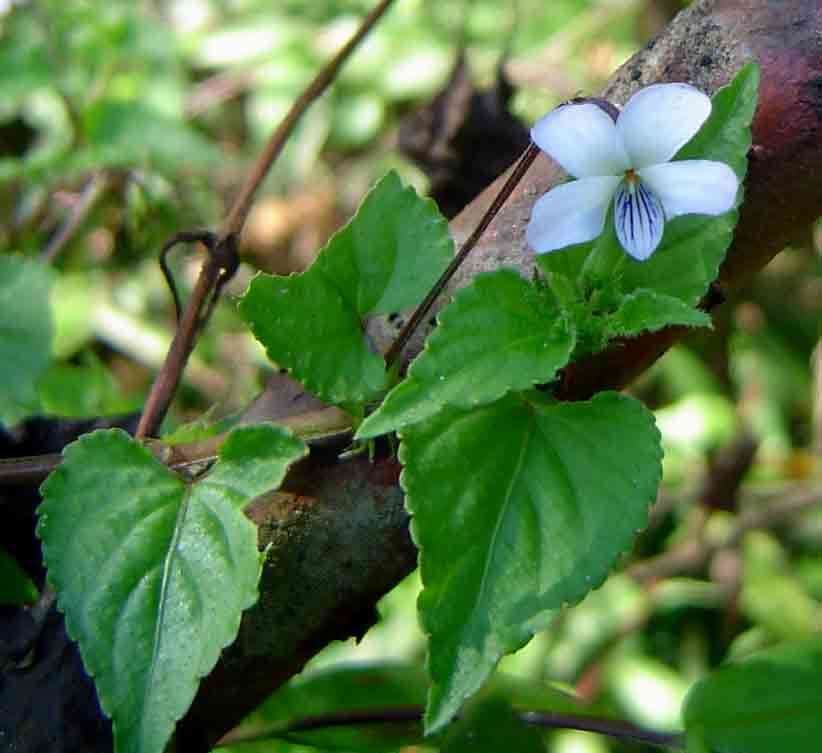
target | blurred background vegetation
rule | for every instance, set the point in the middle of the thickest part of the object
(124, 122)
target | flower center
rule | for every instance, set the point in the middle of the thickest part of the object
(631, 177)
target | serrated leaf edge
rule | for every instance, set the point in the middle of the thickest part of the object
(327, 394)
(432, 345)
(361, 395)
(73, 629)
(436, 725)
(633, 295)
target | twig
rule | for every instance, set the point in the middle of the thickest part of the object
(422, 310)
(93, 190)
(196, 236)
(695, 554)
(316, 427)
(27, 470)
(239, 212)
(216, 90)
(223, 257)
(615, 728)
(185, 336)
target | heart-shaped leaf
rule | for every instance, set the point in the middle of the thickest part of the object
(519, 508)
(384, 260)
(152, 572)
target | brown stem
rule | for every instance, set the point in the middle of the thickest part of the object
(216, 90)
(696, 553)
(239, 212)
(616, 728)
(223, 259)
(168, 378)
(317, 428)
(524, 162)
(92, 192)
(27, 470)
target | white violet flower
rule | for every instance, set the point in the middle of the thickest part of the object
(628, 159)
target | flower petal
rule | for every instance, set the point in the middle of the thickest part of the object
(570, 213)
(692, 186)
(583, 139)
(639, 219)
(659, 119)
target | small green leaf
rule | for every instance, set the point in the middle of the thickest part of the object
(384, 260)
(203, 427)
(648, 311)
(15, 586)
(726, 135)
(25, 334)
(153, 573)
(500, 320)
(687, 261)
(769, 701)
(563, 267)
(518, 508)
(308, 326)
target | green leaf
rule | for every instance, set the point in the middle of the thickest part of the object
(203, 427)
(308, 326)
(126, 133)
(25, 334)
(24, 59)
(384, 260)
(69, 390)
(342, 690)
(74, 298)
(726, 135)
(648, 311)
(769, 701)
(15, 586)
(518, 508)
(152, 572)
(563, 267)
(688, 258)
(499, 320)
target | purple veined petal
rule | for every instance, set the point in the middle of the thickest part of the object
(639, 219)
(692, 186)
(583, 140)
(659, 119)
(570, 213)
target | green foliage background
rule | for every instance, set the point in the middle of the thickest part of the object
(167, 103)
